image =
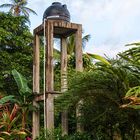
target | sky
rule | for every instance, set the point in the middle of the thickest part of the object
(111, 23)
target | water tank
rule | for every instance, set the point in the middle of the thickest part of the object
(57, 11)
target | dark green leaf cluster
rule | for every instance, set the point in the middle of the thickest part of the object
(99, 93)
(15, 49)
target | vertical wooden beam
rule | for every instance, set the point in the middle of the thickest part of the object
(78, 49)
(64, 87)
(49, 76)
(36, 85)
(79, 67)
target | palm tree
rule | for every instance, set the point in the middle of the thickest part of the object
(71, 43)
(18, 7)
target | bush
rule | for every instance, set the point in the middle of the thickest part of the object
(56, 135)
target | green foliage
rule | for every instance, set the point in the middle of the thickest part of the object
(11, 119)
(21, 81)
(101, 92)
(7, 99)
(14, 32)
(15, 53)
(133, 91)
(15, 50)
(18, 7)
(132, 57)
(25, 98)
(9, 124)
(98, 57)
(77, 136)
(56, 135)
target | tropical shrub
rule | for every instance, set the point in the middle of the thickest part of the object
(101, 92)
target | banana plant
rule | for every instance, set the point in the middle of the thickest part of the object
(9, 119)
(22, 102)
(22, 83)
(24, 98)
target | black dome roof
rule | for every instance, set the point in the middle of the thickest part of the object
(57, 11)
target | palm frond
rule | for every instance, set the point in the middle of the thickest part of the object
(98, 57)
(25, 13)
(11, 9)
(23, 2)
(71, 44)
(6, 5)
(85, 39)
(133, 91)
(136, 44)
(56, 54)
(29, 10)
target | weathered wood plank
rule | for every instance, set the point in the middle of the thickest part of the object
(79, 67)
(39, 29)
(78, 49)
(57, 23)
(40, 97)
(49, 76)
(64, 87)
(36, 64)
(36, 85)
(64, 24)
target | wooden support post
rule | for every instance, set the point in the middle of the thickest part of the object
(49, 76)
(78, 49)
(64, 115)
(79, 67)
(36, 86)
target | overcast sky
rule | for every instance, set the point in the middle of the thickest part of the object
(111, 23)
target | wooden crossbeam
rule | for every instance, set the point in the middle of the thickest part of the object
(61, 28)
(40, 96)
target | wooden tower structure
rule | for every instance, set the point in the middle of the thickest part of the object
(58, 29)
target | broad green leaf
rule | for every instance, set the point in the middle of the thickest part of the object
(98, 57)
(7, 99)
(22, 83)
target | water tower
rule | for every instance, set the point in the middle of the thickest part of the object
(56, 24)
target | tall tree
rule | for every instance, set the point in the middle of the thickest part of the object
(18, 7)
(15, 49)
